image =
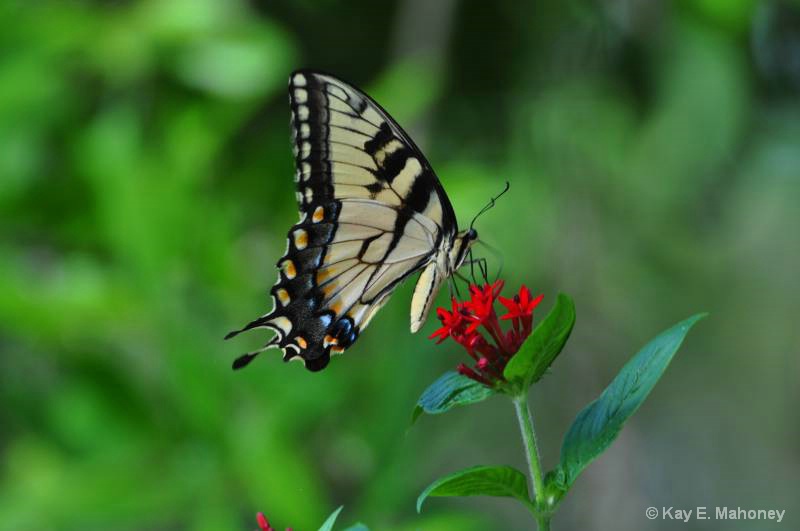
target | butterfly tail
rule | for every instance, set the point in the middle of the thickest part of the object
(245, 359)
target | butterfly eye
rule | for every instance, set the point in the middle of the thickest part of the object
(472, 234)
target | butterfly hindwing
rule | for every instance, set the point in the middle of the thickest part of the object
(372, 213)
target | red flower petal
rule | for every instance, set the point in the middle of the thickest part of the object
(471, 322)
(534, 303)
(263, 523)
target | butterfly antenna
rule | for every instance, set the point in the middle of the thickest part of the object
(497, 254)
(489, 205)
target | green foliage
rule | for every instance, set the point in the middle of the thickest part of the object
(599, 423)
(504, 481)
(591, 433)
(146, 190)
(450, 390)
(331, 520)
(543, 346)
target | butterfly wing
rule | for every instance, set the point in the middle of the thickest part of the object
(372, 213)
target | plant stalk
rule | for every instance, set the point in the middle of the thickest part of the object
(532, 455)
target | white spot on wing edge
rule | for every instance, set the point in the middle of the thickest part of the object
(302, 112)
(300, 95)
(299, 80)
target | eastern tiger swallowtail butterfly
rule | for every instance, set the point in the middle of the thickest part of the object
(372, 213)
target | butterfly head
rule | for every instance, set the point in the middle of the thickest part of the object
(461, 245)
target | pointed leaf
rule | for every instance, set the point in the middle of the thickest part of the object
(596, 427)
(450, 390)
(543, 346)
(357, 527)
(328, 525)
(480, 481)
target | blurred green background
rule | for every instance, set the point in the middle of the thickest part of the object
(653, 150)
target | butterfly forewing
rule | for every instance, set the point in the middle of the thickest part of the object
(372, 212)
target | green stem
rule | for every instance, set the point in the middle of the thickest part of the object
(544, 523)
(532, 454)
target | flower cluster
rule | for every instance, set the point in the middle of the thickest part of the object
(263, 523)
(467, 321)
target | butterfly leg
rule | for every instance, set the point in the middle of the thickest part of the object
(462, 278)
(483, 268)
(495, 252)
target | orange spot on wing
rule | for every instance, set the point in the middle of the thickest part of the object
(301, 341)
(324, 274)
(283, 296)
(289, 270)
(328, 289)
(300, 239)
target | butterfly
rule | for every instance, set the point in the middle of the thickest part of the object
(372, 213)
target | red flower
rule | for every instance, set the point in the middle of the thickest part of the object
(466, 321)
(263, 523)
(451, 321)
(481, 303)
(520, 309)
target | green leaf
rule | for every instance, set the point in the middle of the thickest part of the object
(357, 527)
(543, 346)
(450, 390)
(328, 525)
(596, 427)
(480, 481)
